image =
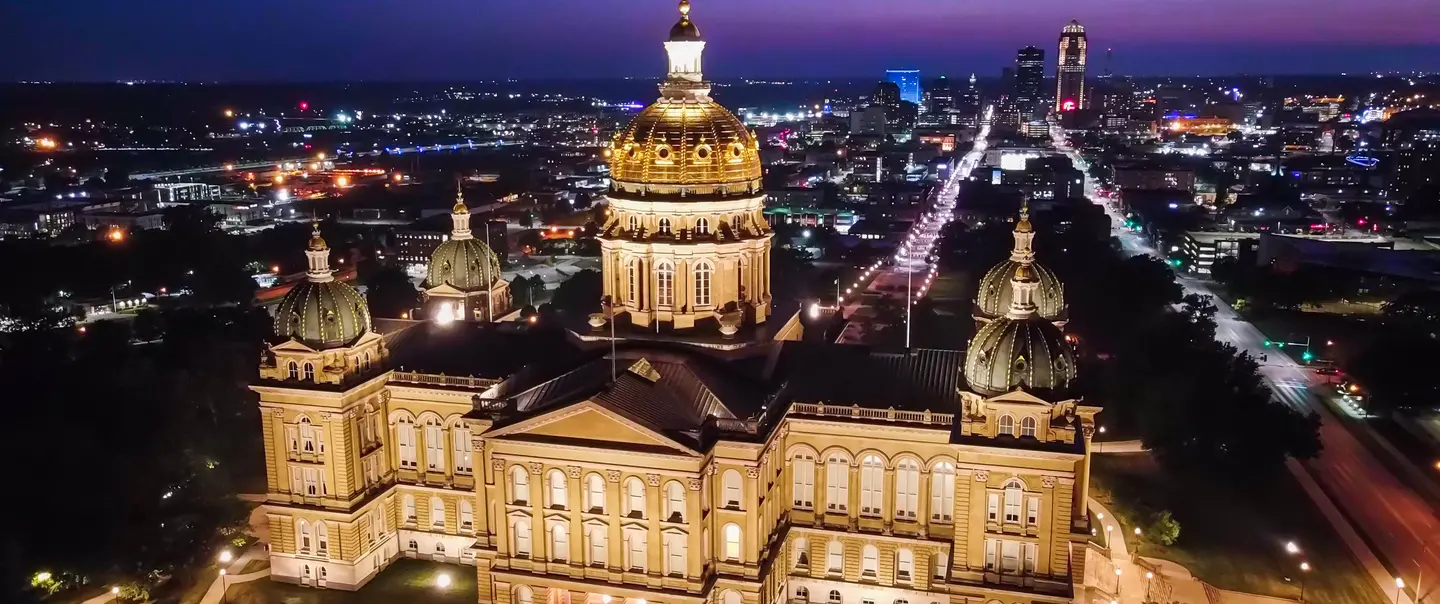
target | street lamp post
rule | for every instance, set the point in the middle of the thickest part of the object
(1304, 570)
(114, 594)
(224, 587)
(1399, 587)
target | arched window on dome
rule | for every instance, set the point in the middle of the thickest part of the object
(703, 271)
(664, 226)
(634, 224)
(702, 226)
(1027, 427)
(294, 370)
(665, 284)
(735, 223)
(1006, 425)
(309, 371)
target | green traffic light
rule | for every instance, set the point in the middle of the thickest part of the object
(1266, 344)
(1307, 356)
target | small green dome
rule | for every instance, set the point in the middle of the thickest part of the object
(465, 264)
(322, 314)
(1010, 353)
(995, 292)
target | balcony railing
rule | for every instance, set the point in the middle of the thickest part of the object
(450, 381)
(857, 412)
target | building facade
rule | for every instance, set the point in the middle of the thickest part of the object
(660, 471)
(1070, 69)
(908, 80)
(1029, 79)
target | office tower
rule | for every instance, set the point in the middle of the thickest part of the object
(1029, 81)
(1070, 69)
(887, 94)
(939, 96)
(1414, 138)
(909, 82)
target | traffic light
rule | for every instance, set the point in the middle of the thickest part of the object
(1307, 356)
(1266, 344)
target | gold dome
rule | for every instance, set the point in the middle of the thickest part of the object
(685, 141)
(316, 242)
(459, 207)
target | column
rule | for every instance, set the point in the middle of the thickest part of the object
(922, 508)
(1082, 488)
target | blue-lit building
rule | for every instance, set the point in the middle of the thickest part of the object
(909, 82)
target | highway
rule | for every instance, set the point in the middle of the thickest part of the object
(1399, 524)
(913, 267)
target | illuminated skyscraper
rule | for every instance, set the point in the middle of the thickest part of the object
(1029, 79)
(909, 82)
(1070, 69)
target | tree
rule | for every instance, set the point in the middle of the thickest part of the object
(390, 292)
(579, 295)
(1395, 371)
(527, 290)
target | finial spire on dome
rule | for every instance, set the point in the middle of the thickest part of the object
(317, 256)
(685, 9)
(1024, 237)
(684, 48)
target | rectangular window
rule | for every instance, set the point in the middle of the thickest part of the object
(635, 551)
(905, 565)
(405, 435)
(1010, 556)
(1032, 511)
(1012, 506)
(460, 439)
(312, 482)
(292, 437)
(992, 507)
(434, 449)
(942, 496)
(837, 485)
(675, 555)
(1032, 552)
(803, 489)
(297, 484)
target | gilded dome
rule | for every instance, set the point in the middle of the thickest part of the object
(684, 30)
(322, 314)
(465, 264)
(996, 293)
(685, 141)
(1011, 353)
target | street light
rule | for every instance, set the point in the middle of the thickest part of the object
(224, 587)
(442, 580)
(226, 556)
(1291, 548)
(1304, 570)
(115, 594)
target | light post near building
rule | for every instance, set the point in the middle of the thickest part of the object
(1304, 570)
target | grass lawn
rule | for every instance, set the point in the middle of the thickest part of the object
(404, 581)
(1234, 537)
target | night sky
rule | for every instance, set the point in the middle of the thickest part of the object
(387, 40)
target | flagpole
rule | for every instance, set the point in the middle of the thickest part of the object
(909, 302)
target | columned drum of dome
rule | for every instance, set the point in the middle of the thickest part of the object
(686, 239)
(995, 295)
(1020, 350)
(321, 312)
(463, 281)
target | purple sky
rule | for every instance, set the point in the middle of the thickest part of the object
(476, 39)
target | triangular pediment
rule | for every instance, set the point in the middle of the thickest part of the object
(445, 290)
(292, 345)
(590, 424)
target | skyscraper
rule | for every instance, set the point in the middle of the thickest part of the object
(1070, 69)
(909, 82)
(1029, 78)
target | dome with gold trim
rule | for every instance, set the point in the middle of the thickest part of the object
(685, 143)
(996, 295)
(462, 261)
(321, 312)
(1020, 349)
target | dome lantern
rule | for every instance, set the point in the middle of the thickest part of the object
(995, 296)
(460, 217)
(317, 255)
(684, 48)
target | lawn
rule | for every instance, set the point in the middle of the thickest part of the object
(1233, 537)
(405, 580)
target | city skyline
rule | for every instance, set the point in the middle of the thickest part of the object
(448, 39)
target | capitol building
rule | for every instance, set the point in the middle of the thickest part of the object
(686, 447)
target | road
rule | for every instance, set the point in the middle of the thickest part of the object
(1400, 525)
(913, 269)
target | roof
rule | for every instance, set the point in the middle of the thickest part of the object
(839, 374)
(465, 348)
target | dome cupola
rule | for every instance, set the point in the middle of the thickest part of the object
(321, 312)
(463, 262)
(1021, 349)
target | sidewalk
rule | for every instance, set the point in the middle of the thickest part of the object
(232, 576)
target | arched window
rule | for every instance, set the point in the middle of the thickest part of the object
(365, 362)
(634, 497)
(834, 597)
(1027, 426)
(1007, 425)
(462, 448)
(409, 505)
(835, 558)
(405, 438)
(904, 564)
(520, 537)
(731, 496)
(1014, 494)
(559, 542)
(907, 489)
(938, 565)
(307, 435)
(802, 553)
(872, 479)
(437, 513)
(556, 498)
(632, 278)
(942, 492)
(802, 594)
(596, 546)
(702, 226)
(467, 515)
(322, 539)
(519, 486)
(674, 502)
(634, 223)
(675, 547)
(730, 596)
(703, 271)
(735, 223)
(309, 372)
(302, 536)
(634, 549)
(523, 595)
(595, 494)
(665, 284)
(732, 542)
(664, 226)
(294, 370)
(439, 547)
(802, 487)
(434, 445)
(837, 484)
(869, 561)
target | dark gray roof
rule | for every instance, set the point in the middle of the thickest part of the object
(465, 348)
(858, 375)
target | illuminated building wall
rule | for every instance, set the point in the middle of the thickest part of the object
(1029, 77)
(1070, 69)
(909, 82)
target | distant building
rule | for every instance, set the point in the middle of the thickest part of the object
(1152, 176)
(1414, 139)
(1202, 248)
(1070, 69)
(908, 81)
(1029, 80)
